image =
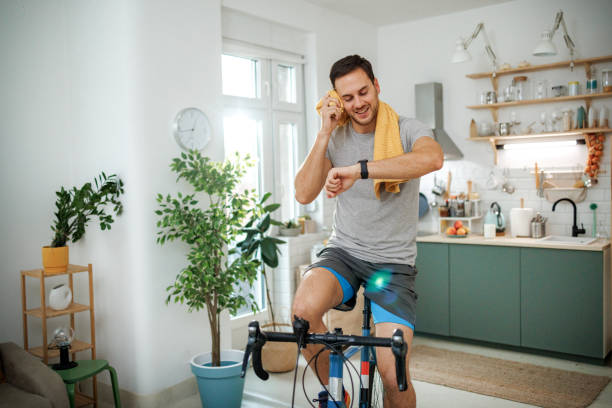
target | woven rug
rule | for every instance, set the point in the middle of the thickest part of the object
(526, 383)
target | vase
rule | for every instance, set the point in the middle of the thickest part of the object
(60, 297)
(219, 387)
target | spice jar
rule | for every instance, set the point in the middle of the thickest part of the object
(460, 212)
(606, 79)
(520, 88)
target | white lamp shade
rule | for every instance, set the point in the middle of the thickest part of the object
(460, 54)
(545, 47)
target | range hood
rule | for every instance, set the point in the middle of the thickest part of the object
(428, 107)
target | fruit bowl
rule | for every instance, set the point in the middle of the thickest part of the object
(457, 230)
(456, 236)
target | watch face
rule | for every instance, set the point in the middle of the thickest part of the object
(192, 129)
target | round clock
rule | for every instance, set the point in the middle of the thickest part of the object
(192, 129)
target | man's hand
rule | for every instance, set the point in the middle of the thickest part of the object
(330, 114)
(340, 179)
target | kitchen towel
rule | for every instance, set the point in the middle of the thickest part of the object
(387, 142)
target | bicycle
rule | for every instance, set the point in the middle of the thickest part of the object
(337, 358)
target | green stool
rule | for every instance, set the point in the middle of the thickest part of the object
(86, 369)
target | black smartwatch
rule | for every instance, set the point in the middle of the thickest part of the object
(364, 168)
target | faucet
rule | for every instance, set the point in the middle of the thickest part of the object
(575, 229)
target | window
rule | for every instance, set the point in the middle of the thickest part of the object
(264, 117)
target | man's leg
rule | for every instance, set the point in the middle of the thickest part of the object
(318, 292)
(386, 367)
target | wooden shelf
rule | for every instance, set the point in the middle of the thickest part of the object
(533, 68)
(586, 97)
(569, 135)
(37, 273)
(77, 345)
(82, 400)
(73, 308)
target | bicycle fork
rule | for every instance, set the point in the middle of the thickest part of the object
(336, 394)
(368, 359)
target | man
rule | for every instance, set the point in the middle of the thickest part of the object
(374, 238)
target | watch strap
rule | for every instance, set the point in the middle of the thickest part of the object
(364, 168)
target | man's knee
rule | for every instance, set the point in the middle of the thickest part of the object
(305, 310)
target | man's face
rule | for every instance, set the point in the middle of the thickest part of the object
(360, 98)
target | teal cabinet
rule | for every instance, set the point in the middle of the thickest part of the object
(562, 301)
(432, 288)
(485, 293)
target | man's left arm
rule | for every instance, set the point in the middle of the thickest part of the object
(426, 156)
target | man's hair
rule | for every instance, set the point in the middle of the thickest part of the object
(347, 65)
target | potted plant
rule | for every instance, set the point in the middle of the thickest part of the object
(74, 209)
(290, 229)
(277, 357)
(214, 267)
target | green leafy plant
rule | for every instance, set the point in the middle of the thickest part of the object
(259, 244)
(215, 268)
(291, 224)
(76, 207)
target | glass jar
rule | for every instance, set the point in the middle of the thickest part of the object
(509, 92)
(591, 83)
(574, 88)
(606, 79)
(520, 88)
(567, 119)
(541, 90)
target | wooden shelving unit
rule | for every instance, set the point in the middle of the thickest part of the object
(586, 97)
(43, 312)
(586, 62)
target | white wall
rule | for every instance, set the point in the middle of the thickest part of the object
(91, 86)
(420, 51)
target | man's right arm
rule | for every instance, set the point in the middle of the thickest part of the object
(310, 179)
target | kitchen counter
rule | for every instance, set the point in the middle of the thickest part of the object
(507, 240)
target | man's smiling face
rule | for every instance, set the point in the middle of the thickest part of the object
(360, 98)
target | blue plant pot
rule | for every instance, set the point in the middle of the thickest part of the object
(220, 387)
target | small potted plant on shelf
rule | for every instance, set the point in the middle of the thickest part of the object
(214, 267)
(290, 229)
(74, 209)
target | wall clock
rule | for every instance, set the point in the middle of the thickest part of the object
(192, 129)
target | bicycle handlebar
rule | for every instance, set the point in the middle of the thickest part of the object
(258, 338)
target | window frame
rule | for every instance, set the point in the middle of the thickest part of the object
(271, 112)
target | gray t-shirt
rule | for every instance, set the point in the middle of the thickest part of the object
(380, 231)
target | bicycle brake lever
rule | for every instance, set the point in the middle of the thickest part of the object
(254, 344)
(398, 347)
(300, 329)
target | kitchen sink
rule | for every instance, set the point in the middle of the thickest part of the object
(560, 239)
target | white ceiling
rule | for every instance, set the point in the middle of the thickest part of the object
(383, 12)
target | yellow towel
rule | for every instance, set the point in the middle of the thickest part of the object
(333, 94)
(387, 141)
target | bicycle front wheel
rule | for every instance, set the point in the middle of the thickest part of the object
(376, 388)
